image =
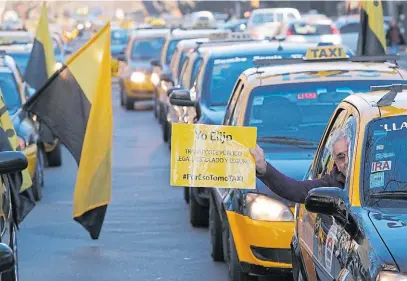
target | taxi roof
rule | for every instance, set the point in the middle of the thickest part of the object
(254, 47)
(18, 48)
(271, 75)
(150, 33)
(190, 43)
(189, 33)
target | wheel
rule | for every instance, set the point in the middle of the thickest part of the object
(186, 194)
(215, 230)
(41, 158)
(121, 96)
(198, 215)
(36, 187)
(165, 131)
(128, 104)
(54, 157)
(12, 275)
(235, 270)
(156, 107)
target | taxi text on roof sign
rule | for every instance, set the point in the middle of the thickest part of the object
(326, 53)
(212, 156)
(228, 35)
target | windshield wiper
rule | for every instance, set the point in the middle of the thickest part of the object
(287, 140)
(401, 194)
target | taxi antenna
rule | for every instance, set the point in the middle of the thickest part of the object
(389, 97)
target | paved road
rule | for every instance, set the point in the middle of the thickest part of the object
(146, 235)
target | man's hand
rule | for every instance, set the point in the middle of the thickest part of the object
(258, 156)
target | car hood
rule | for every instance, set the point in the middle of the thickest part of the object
(292, 163)
(141, 66)
(392, 226)
(213, 115)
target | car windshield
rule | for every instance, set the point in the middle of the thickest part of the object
(181, 62)
(385, 156)
(171, 49)
(263, 18)
(147, 49)
(299, 111)
(305, 29)
(223, 73)
(21, 60)
(10, 91)
(119, 37)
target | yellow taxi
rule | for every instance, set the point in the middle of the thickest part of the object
(364, 220)
(15, 92)
(252, 229)
(135, 76)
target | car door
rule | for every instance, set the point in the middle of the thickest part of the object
(312, 228)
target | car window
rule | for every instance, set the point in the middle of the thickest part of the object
(182, 77)
(231, 103)
(195, 70)
(262, 18)
(9, 88)
(172, 45)
(119, 37)
(235, 111)
(350, 28)
(147, 49)
(21, 60)
(305, 29)
(268, 107)
(385, 159)
(291, 16)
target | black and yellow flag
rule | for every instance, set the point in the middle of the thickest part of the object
(76, 105)
(41, 64)
(372, 39)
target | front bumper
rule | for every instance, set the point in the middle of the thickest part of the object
(30, 152)
(262, 246)
(138, 91)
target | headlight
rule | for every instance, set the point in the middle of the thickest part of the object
(88, 24)
(391, 276)
(155, 79)
(80, 26)
(58, 66)
(138, 77)
(264, 208)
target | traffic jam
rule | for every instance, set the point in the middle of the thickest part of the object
(261, 147)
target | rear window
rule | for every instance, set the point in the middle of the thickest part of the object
(147, 49)
(350, 28)
(311, 29)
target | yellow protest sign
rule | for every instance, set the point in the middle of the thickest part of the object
(212, 156)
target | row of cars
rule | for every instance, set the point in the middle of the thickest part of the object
(297, 96)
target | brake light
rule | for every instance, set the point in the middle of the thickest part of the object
(21, 143)
(334, 29)
(289, 32)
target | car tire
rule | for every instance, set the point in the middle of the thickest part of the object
(156, 108)
(54, 157)
(186, 194)
(36, 186)
(12, 275)
(235, 270)
(198, 215)
(165, 128)
(121, 96)
(215, 231)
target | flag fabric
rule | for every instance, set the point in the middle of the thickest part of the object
(372, 39)
(41, 64)
(23, 200)
(76, 105)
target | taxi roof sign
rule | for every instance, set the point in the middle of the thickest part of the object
(327, 52)
(228, 35)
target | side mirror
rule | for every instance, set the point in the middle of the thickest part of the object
(329, 201)
(181, 97)
(12, 162)
(171, 89)
(166, 77)
(7, 261)
(155, 63)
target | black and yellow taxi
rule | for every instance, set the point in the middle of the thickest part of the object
(290, 105)
(161, 69)
(15, 92)
(357, 231)
(206, 99)
(135, 82)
